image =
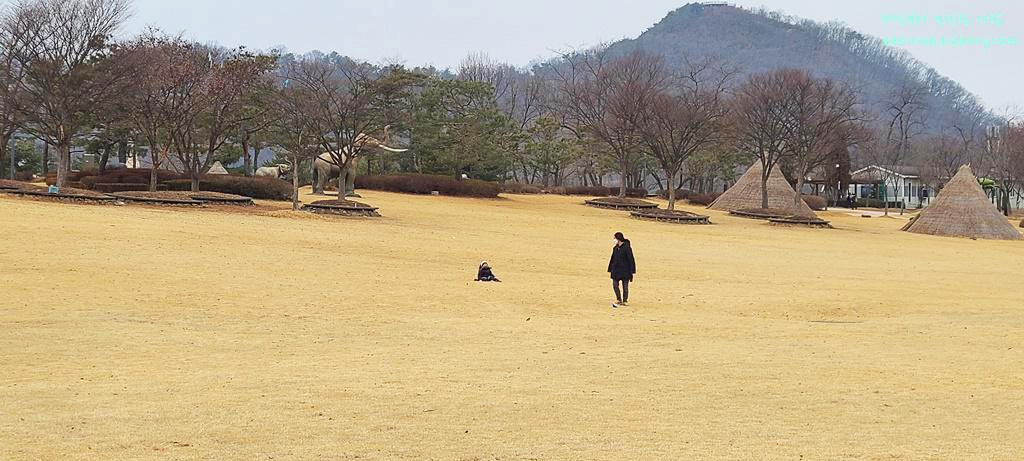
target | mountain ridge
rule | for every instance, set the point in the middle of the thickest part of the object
(760, 40)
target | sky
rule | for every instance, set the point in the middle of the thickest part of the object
(443, 32)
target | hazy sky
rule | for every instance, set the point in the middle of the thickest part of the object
(442, 32)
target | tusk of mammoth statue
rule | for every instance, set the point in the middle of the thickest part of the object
(392, 149)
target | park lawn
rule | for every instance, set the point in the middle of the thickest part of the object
(145, 333)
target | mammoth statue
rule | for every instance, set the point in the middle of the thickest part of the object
(280, 171)
(326, 169)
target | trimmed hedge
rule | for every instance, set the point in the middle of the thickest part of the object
(72, 176)
(518, 188)
(90, 176)
(681, 194)
(703, 199)
(123, 187)
(258, 188)
(426, 184)
(597, 191)
(817, 203)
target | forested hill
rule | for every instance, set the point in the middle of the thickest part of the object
(758, 41)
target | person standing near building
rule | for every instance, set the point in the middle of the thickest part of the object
(622, 267)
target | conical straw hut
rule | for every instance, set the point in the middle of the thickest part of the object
(962, 209)
(746, 193)
(217, 168)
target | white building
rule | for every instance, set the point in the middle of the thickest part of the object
(903, 186)
(900, 186)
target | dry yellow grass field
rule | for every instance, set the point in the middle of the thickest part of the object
(144, 333)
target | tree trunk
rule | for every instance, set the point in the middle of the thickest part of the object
(799, 192)
(152, 171)
(63, 163)
(623, 176)
(885, 197)
(658, 181)
(122, 152)
(671, 191)
(764, 187)
(341, 181)
(104, 158)
(255, 157)
(46, 159)
(4, 142)
(245, 156)
(295, 183)
(195, 182)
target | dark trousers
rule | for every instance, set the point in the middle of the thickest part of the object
(622, 296)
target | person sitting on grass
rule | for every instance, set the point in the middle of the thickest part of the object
(484, 273)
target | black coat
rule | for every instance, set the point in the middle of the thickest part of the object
(485, 274)
(622, 265)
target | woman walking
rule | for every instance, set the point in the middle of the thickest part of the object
(621, 267)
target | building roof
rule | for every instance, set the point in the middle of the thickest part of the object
(873, 172)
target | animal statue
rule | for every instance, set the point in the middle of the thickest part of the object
(279, 171)
(326, 169)
(114, 164)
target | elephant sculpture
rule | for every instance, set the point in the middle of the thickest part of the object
(326, 169)
(280, 171)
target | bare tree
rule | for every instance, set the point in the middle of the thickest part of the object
(292, 130)
(160, 64)
(1006, 153)
(902, 122)
(59, 48)
(207, 103)
(10, 75)
(604, 98)
(688, 116)
(822, 119)
(340, 106)
(761, 121)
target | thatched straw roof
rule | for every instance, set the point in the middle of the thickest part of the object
(217, 168)
(746, 194)
(963, 209)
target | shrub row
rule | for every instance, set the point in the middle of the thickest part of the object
(703, 199)
(817, 203)
(596, 191)
(518, 188)
(258, 188)
(426, 184)
(124, 176)
(123, 187)
(681, 194)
